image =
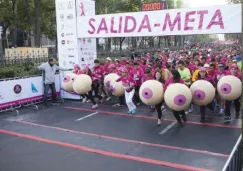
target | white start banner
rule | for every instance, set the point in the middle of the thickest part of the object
(208, 20)
(20, 91)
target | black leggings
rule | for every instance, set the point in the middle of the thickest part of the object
(178, 115)
(136, 96)
(228, 106)
(95, 88)
(203, 110)
(158, 109)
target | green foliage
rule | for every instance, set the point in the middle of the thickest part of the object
(22, 70)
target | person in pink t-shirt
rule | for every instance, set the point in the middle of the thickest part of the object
(77, 70)
(137, 74)
(203, 75)
(128, 84)
(235, 72)
(218, 75)
(176, 79)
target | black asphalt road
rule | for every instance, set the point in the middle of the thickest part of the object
(61, 138)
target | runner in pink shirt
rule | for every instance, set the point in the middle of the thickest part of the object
(128, 84)
(176, 79)
(235, 72)
(137, 74)
(77, 70)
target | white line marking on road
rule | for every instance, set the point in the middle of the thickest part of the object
(167, 128)
(92, 114)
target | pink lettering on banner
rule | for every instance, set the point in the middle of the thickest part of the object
(145, 24)
(217, 19)
(91, 21)
(120, 24)
(130, 30)
(102, 26)
(188, 20)
(201, 19)
(112, 25)
(177, 21)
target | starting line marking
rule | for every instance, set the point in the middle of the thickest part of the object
(167, 128)
(87, 116)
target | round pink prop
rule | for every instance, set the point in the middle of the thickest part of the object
(82, 84)
(151, 92)
(229, 87)
(67, 82)
(203, 92)
(178, 97)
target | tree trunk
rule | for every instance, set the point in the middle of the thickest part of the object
(134, 42)
(121, 41)
(37, 31)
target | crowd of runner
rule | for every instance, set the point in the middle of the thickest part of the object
(183, 67)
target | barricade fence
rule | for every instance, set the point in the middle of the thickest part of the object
(23, 92)
(234, 162)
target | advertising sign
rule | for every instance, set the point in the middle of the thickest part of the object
(21, 91)
(67, 33)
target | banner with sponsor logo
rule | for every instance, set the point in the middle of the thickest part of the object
(86, 46)
(20, 91)
(67, 33)
(208, 20)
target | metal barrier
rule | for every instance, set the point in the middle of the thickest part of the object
(234, 162)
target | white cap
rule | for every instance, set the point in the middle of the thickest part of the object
(108, 59)
(206, 65)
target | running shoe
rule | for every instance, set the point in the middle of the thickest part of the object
(159, 122)
(94, 106)
(227, 118)
(84, 99)
(134, 111)
(108, 99)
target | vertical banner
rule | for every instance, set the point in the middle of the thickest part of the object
(86, 46)
(67, 33)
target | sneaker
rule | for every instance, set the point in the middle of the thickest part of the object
(94, 106)
(138, 104)
(221, 112)
(159, 122)
(84, 99)
(88, 101)
(108, 99)
(227, 118)
(180, 124)
(163, 108)
(189, 111)
(118, 105)
(134, 111)
(129, 112)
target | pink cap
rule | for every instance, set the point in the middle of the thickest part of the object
(202, 69)
(124, 70)
(234, 66)
(112, 66)
(76, 66)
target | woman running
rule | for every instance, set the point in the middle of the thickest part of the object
(128, 84)
(176, 78)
